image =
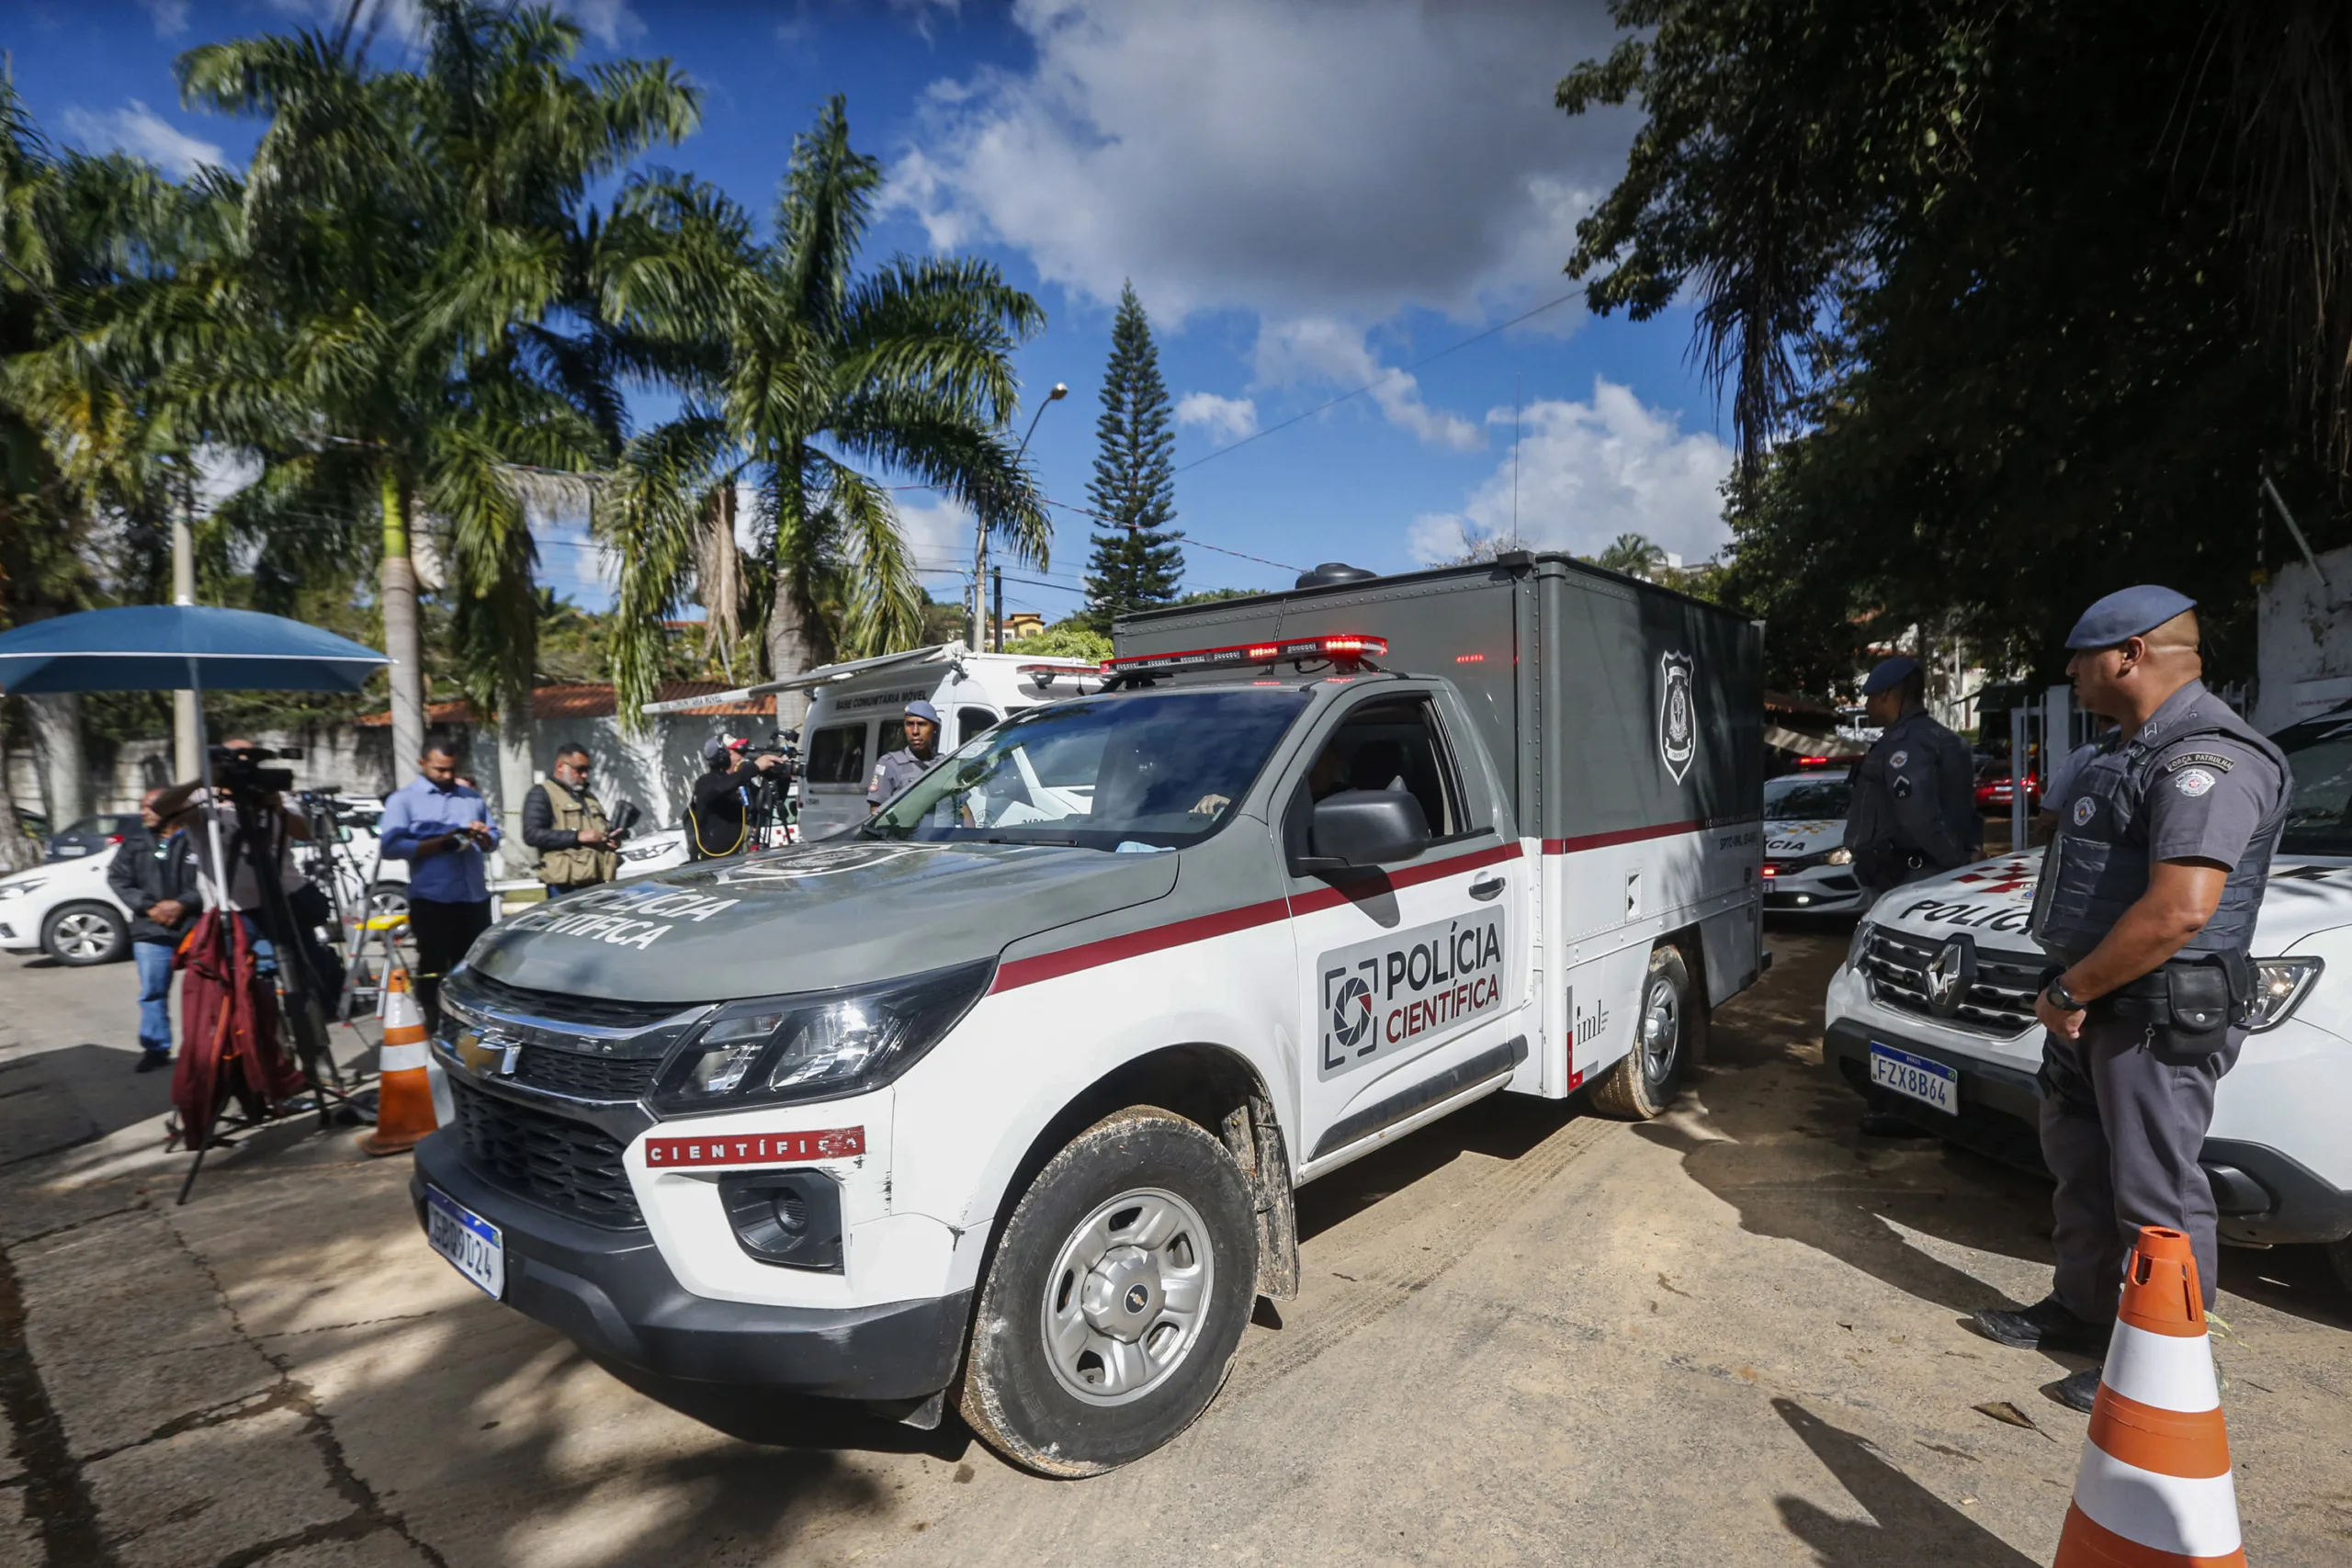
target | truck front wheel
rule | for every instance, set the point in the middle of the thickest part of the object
(1642, 1084)
(1117, 1297)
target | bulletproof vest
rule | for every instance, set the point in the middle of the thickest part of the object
(2098, 865)
(580, 863)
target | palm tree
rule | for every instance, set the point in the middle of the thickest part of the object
(422, 317)
(820, 375)
(1632, 554)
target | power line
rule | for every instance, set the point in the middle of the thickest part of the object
(1382, 379)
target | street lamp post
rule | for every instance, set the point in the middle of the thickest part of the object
(980, 526)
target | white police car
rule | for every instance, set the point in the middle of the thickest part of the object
(1932, 1015)
(1808, 868)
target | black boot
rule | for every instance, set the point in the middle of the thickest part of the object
(2078, 1391)
(149, 1061)
(2045, 1326)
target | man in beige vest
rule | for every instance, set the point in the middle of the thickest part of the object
(565, 822)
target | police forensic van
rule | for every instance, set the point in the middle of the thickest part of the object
(1001, 1098)
(1932, 1016)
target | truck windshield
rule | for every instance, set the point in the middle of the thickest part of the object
(1154, 769)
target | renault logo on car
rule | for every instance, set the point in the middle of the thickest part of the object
(1950, 975)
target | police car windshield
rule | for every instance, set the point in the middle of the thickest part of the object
(2319, 816)
(1806, 795)
(1148, 771)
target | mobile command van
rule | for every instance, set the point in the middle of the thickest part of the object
(1931, 1016)
(1001, 1098)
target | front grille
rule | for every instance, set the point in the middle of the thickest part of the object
(568, 1166)
(2000, 1002)
(588, 1077)
(471, 987)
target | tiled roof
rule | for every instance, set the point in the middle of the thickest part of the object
(584, 699)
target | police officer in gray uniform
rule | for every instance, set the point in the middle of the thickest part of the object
(2147, 903)
(1914, 808)
(897, 770)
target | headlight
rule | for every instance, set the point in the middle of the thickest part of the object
(821, 1046)
(2280, 987)
(19, 889)
(1838, 857)
(1854, 948)
(643, 852)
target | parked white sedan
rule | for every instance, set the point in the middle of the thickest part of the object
(65, 909)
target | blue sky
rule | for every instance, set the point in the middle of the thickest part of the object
(1309, 196)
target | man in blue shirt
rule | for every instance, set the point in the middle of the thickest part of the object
(441, 828)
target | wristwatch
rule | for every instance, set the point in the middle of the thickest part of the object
(2061, 998)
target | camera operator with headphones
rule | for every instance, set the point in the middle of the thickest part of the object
(716, 825)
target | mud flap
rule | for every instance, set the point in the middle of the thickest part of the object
(1256, 1140)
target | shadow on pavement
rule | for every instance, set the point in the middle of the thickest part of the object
(54, 1100)
(1908, 1524)
(775, 1420)
(1501, 1126)
(1771, 1131)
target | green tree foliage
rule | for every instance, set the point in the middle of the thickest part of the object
(1987, 285)
(801, 375)
(1137, 563)
(1072, 638)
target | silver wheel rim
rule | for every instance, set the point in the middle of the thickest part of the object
(382, 902)
(82, 936)
(1661, 1028)
(1127, 1296)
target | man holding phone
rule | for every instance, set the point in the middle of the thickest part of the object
(440, 826)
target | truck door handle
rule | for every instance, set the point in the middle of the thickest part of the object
(1482, 891)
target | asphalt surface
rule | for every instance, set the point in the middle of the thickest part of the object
(1526, 1335)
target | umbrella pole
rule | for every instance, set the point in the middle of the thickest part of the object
(216, 887)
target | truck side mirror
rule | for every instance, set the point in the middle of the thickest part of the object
(1364, 826)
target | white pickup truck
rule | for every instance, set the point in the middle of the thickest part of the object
(1001, 1097)
(1931, 1016)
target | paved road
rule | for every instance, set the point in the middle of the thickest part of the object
(1526, 1335)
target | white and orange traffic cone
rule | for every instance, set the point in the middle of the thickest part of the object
(403, 1077)
(2155, 1486)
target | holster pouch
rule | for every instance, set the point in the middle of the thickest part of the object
(2189, 1006)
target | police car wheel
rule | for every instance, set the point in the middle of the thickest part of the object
(1642, 1084)
(1117, 1297)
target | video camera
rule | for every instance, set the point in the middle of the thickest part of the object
(784, 743)
(238, 770)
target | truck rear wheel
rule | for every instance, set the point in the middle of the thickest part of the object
(1641, 1085)
(1117, 1297)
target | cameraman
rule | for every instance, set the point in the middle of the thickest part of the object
(186, 806)
(566, 823)
(715, 821)
(439, 825)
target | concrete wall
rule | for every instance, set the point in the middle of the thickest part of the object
(2303, 641)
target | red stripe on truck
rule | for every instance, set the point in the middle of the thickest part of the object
(1021, 971)
(1638, 835)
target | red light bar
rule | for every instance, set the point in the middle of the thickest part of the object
(1813, 761)
(1346, 646)
(1469, 659)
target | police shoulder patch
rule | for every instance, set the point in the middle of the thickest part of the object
(1900, 759)
(2084, 806)
(2199, 760)
(2194, 782)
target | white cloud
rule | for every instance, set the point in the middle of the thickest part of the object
(1285, 156)
(1589, 471)
(1319, 349)
(1226, 419)
(141, 131)
(939, 533)
(170, 17)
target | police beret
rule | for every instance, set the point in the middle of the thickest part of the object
(923, 710)
(2127, 613)
(1890, 673)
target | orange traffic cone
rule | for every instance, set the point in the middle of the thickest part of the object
(2154, 1485)
(403, 1082)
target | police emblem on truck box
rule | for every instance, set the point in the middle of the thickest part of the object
(1406, 989)
(1678, 724)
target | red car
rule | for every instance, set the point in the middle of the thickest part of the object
(1994, 785)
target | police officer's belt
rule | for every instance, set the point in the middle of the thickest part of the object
(2190, 1002)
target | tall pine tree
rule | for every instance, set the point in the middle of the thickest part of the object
(1137, 563)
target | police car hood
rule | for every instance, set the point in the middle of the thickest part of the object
(810, 918)
(1993, 901)
(1787, 837)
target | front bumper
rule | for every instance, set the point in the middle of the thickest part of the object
(1817, 890)
(2265, 1196)
(611, 1294)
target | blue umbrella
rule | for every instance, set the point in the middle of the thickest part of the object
(169, 648)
